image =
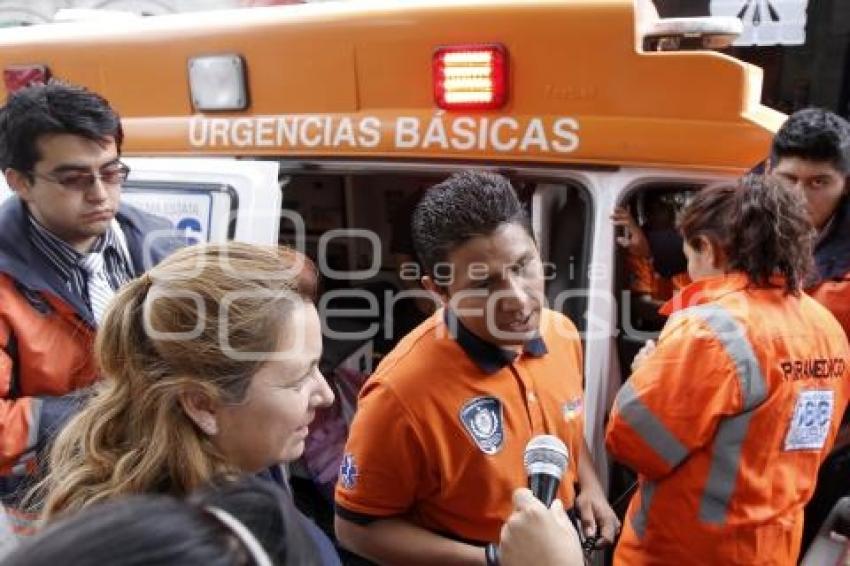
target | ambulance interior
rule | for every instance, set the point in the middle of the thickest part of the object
(656, 208)
(340, 210)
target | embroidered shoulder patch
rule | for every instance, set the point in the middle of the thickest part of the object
(482, 419)
(348, 471)
(811, 421)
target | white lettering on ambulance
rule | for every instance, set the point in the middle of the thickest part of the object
(198, 128)
(241, 132)
(436, 133)
(219, 129)
(344, 133)
(503, 134)
(566, 130)
(534, 134)
(482, 133)
(496, 141)
(406, 132)
(463, 134)
(287, 129)
(303, 134)
(264, 134)
(328, 128)
(370, 132)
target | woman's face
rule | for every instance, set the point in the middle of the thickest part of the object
(269, 426)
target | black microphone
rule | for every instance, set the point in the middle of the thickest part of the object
(545, 459)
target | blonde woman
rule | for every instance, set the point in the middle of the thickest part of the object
(210, 365)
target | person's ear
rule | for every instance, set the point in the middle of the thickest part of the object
(201, 410)
(712, 252)
(430, 285)
(18, 182)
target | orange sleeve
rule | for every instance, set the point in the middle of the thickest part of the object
(674, 402)
(835, 296)
(640, 273)
(18, 432)
(384, 464)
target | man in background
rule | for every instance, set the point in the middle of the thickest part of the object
(66, 246)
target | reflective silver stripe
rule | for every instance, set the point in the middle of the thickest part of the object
(733, 338)
(35, 421)
(647, 490)
(726, 458)
(731, 433)
(651, 430)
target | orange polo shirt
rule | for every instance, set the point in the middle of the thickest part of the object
(442, 425)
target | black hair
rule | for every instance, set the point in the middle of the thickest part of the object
(761, 226)
(160, 530)
(814, 134)
(467, 205)
(52, 108)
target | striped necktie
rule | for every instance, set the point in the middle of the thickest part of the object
(99, 290)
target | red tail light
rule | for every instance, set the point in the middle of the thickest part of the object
(470, 77)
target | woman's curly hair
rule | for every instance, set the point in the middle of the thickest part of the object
(761, 227)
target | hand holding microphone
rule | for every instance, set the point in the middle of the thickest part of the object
(545, 459)
(538, 531)
(536, 535)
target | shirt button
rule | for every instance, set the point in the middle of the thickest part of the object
(532, 398)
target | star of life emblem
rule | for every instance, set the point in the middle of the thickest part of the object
(483, 421)
(348, 472)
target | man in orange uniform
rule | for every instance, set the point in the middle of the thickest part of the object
(727, 421)
(436, 446)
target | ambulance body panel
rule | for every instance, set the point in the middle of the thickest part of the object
(356, 79)
(340, 125)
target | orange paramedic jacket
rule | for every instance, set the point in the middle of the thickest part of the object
(726, 424)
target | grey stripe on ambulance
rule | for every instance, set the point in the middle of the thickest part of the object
(731, 433)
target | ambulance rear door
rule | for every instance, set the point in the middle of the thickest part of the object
(211, 199)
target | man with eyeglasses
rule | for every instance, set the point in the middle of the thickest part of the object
(66, 246)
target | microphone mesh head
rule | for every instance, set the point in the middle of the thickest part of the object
(546, 454)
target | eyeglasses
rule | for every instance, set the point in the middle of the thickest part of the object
(81, 181)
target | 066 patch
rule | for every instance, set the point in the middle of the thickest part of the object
(811, 421)
(482, 419)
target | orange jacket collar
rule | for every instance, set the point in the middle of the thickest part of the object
(705, 291)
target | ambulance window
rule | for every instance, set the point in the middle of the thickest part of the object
(190, 207)
(560, 212)
(646, 282)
